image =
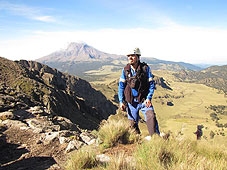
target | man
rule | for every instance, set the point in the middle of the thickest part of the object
(199, 132)
(136, 88)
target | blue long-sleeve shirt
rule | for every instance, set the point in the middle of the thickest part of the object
(122, 85)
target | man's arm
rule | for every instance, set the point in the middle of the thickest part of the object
(151, 87)
(121, 88)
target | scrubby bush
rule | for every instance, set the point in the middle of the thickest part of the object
(214, 116)
(84, 158)
(220, 109)
(113, 132)
(154, 154)
(220, 125)
(119, 162)
(225, 125)
(212, 134)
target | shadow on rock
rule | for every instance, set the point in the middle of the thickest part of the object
(116, 98)
(10, 152)
(35, 163)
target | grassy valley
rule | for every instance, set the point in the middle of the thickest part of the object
(179, 110)
(214, 76)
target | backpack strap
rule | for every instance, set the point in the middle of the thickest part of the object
(127, 70)
(144, 67)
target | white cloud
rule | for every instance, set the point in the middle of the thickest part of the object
(45, 18)
(175, 43)
(33, 13)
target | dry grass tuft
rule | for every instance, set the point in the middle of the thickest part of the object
(174, 154)
(157, 153)
(85, 158)
(113, 132)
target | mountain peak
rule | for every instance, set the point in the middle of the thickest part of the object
(77, 52)
(74, 45)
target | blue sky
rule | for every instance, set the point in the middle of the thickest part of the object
(192, 31)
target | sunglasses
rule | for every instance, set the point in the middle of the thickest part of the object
(131, 55)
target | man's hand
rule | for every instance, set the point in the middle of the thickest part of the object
(122, 106)
(148, 103)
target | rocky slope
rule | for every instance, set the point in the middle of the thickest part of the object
(28, 83)
(45, 114)
(32, 138)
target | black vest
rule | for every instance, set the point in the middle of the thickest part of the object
(139, 82)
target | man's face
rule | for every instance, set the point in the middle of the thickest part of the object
(132, 59)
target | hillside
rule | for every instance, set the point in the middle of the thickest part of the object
(29, 83)
(214, 76)
(79, 59)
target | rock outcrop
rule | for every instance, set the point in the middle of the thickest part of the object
(43, 114)
(28, 83)
(33, 135)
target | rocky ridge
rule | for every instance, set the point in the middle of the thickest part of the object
(44, 114)
(28, 83)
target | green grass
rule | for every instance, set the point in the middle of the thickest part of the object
(154, 154)
(173, 154)
(25, 85)
(118, 162)
(113, 132)
(85, 158)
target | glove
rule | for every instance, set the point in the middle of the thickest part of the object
(122, 106)
(148, 103)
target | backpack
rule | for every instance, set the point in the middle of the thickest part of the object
(138, 82)
(127, 70)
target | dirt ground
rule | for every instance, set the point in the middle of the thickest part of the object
(22, 150)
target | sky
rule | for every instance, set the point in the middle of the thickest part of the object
(193, 31)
